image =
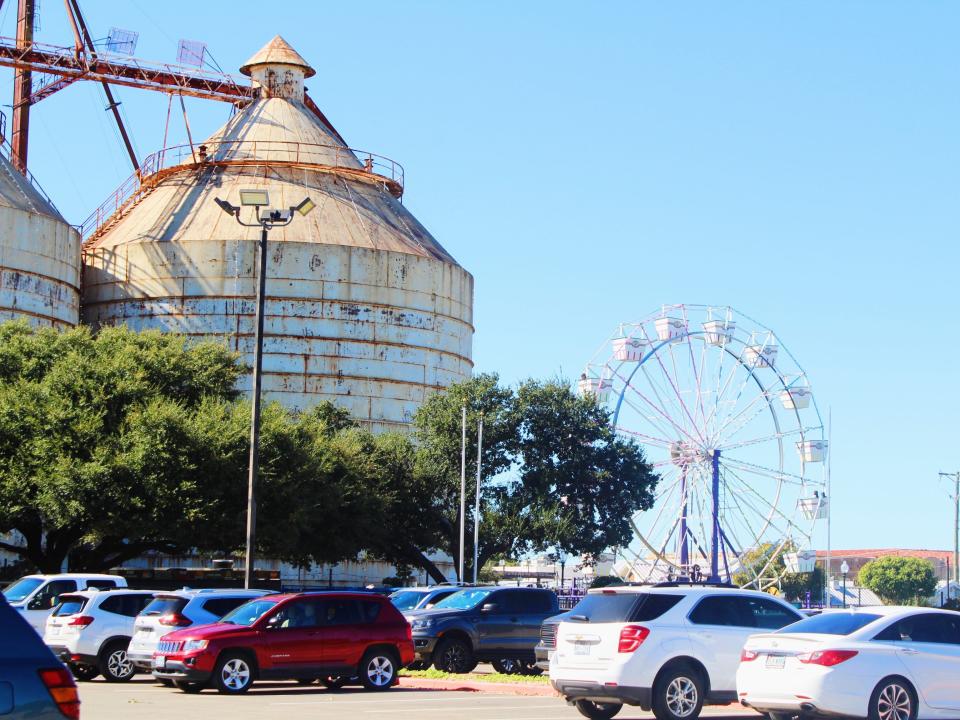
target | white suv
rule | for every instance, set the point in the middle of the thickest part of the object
(36, 595)
(178, 609)
(90, 630)
(670, 647)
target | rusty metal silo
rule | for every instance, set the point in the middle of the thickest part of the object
(363, 306)
(39, 255)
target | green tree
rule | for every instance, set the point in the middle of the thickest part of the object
(764, 568)
(102, 439)
(899, 580)
(554, 472)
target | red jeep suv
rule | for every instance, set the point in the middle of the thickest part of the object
(327, 635)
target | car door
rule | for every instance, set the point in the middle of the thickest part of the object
(536, 606)
(928, 644)
(720, 627)
(345, 636)
(292, 642)
(497, 628)
(44, 600)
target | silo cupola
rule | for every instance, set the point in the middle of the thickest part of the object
(278, 70)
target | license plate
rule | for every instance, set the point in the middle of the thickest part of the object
(146, 629)
(54, 630)
(160, 662)
(776, 662)
(581, 648)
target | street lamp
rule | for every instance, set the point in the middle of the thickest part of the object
(844, 568)
(265, 221)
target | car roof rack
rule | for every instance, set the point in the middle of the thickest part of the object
(684, 582)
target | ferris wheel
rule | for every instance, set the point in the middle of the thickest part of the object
(727, 419)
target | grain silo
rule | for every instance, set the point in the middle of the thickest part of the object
(39, 256)
(363, 306)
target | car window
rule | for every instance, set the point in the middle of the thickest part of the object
(464, 600)
(101, 584)
(925, 628)
(369, 610)
(833, 623)
(539, 601)
(340, 611)
(771, 615)
(164, 605)
(70, 605)
(21, 589)
(437, 597)
(124, 604)
(722, 610)
(408, 599)
(222, 605)
(49, 594)
(507, 601)
(653, 605)
(248, 613)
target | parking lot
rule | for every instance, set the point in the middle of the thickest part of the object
(142, 699)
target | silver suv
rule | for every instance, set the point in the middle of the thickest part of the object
(178, 609)
(671, 648)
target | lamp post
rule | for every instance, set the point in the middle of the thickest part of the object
(265, 221)
(844, 568)
(956, 526)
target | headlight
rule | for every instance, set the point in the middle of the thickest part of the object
(421, 624)
(191, 645)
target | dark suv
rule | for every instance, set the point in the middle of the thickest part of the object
(490, 623)
(307, 636)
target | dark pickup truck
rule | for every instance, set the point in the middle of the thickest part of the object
(483, 623)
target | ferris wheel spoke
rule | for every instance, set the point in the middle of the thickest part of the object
(650, 419)
(768, 438)
(767, 515)
(666, 417)
(655, 386)
(750, 375)
(731, 374)
(764, 395)
(649, 439)
(696, 380)
(673, 383)
(750, 467)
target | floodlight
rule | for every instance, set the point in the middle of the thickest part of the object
(305, 206)
(226, 207)
(254, 198)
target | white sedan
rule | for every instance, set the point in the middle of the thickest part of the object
(884, 663)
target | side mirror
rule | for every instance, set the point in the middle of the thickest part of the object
(40, 602)
(489, 608)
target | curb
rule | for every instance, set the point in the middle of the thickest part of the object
(527, 689)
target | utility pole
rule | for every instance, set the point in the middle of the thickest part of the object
(956, 524)
(463, 487)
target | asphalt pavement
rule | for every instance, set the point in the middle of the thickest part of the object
(142, 699)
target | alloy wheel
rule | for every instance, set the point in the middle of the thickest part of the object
(235, 674)
(119, 665)
(894, 703)
(380, 670)
(681, 697)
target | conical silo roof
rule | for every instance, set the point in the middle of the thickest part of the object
(278, 52)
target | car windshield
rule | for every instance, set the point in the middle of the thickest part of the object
(248, 613)
(407, 599)
(842, 623)
(463, 600)
(164, 605)
(21, 589)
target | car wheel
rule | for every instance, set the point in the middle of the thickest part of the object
(507, 666)
(893, 699)
(528, 668)
(378, 669)
(598, 711)
(335, 682)
(417, 665)
(233, 674)
(188, 687)
(678, 694)
(454, 656)
(115, 666)
(84, 672)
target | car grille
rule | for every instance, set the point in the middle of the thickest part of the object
(548, 635)
(166, 647)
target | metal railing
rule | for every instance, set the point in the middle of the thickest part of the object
(244, 152)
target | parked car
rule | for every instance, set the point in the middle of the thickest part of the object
(482, 623)
(883, 663)
(305, 636)
(670, 648)
(90, 630)
(36, 595)
(33, 683)
(421, 598)
(177, 609)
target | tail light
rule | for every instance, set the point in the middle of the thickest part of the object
(827, 658)
(175, 620)
(63, 690)
(748, 655)
(81, 621)
(632, 637)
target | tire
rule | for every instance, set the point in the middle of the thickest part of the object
(418, 665)
(893, 699)
(115, 666)
(164, 682)
(598, 711)
(84, 673)
(530, 668)
(191, 688)
(335, 682)
(378, 669)
(454, 655)
(233, 674)
(507, 666)
(678, 694)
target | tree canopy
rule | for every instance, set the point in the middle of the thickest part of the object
(899, 580)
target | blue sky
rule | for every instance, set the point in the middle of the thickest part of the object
(590, 162)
